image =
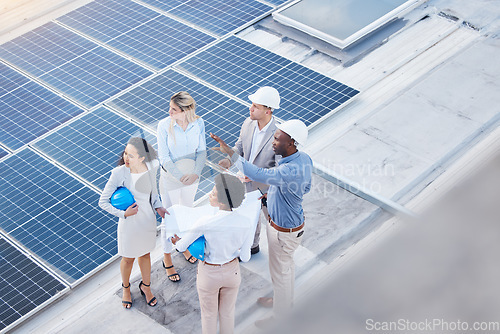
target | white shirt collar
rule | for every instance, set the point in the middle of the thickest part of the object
(264, 129)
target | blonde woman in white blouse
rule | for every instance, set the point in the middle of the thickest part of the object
(182, 155)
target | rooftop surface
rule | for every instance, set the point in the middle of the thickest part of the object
(426, 119)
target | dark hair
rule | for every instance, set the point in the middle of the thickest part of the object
(230, 190)
(144, 149)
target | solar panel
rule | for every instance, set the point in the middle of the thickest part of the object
(220, 16)
(206, 182)
(136, 30)
(10, 80)
(277, 2)
(28, 110)
(72, 64)
(3, 153)
(162, 4)
(91, 145)
(23, 284)
(240, 68)
(54, 216)
(149, 103)
(225, 123)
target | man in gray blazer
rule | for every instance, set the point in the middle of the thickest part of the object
(255, 143)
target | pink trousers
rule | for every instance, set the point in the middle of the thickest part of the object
(217, 291)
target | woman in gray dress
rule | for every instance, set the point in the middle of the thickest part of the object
(137, 224)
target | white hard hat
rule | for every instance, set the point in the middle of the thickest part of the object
(267, 96)
(295, 129)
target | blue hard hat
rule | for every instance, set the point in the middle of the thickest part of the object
(122, 198)
(197, 248)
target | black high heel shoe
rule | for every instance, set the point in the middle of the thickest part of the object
(172, 277)
(150, 303)
(126, 302)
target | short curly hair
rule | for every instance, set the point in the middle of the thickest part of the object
(230, 190)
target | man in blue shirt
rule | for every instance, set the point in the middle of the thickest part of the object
(289, 181)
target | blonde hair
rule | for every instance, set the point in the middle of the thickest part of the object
(187, 104)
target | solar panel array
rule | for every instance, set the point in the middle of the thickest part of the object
(217, 16)
(91, 145)
(54, 216)
(23, 284)
(138, 31)
(72, 64)
(149, 103)
(73, 91)
(28, 110)
(240, 68)
(220, 16)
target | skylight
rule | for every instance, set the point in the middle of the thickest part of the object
(341, 22)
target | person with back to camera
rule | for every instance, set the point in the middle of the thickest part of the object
(228, 235)
(289, 182)
(182, 155)
(136, 233)
(255, 144)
